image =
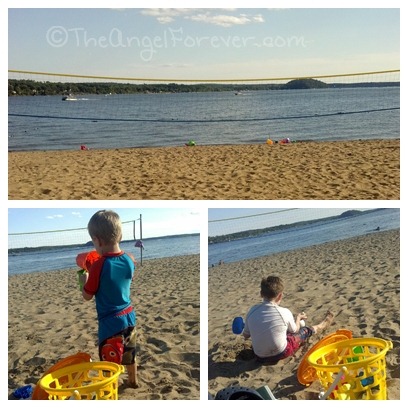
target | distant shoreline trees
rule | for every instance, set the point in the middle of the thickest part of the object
(26, 87)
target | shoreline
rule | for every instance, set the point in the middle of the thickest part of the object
(275, 143)
(303, 170)
(358, 279)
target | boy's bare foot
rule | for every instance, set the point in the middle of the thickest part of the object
(329, 318)
(132, 376)
(325, 323)
(132, 384)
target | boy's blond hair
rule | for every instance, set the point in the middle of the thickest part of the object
(106, 226)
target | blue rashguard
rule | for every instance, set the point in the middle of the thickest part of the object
(109, 281)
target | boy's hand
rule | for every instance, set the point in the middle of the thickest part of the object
(301, 316)
(82, 279)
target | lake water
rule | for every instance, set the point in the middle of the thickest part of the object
(304, 236)
(54, 259)
(147, 120)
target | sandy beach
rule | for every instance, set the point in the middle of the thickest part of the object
(357, 279)
(350, 170)
(48, 321)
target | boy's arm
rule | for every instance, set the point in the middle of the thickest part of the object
(91, 279)
(86, 296)
(83, 279)
(246, 332)
(299, 317)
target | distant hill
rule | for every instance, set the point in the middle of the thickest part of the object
(350, 213)
(307, 83)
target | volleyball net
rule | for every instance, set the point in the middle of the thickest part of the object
(249, 222)
(166, 111)
(75, 86)
(67, 237)
(46, 83)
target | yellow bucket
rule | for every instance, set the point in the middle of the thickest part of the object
(362, 361)
(86, 381)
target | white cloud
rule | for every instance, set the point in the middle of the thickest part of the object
(207, 16)
(221, 20)
(77, 214)
(174, 65)
(165, 15)
(52, 217)
(258, 18)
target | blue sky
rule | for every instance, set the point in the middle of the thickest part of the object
(205, 43)
(155, 221)
(272, 217)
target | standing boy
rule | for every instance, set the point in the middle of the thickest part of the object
(109, 280)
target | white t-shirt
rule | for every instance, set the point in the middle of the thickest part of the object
(267, 324)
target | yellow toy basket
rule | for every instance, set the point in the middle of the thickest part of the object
(86, 381)
(353, 369)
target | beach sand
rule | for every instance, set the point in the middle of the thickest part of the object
(357, 279)
(48, 321)
(308, 170)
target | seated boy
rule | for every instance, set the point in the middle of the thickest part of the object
(274, 332)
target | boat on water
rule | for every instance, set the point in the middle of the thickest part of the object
(69, 98)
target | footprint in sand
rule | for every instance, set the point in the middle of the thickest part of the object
(159, 344)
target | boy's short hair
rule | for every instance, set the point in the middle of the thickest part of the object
(106, 226)
(271, 287)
